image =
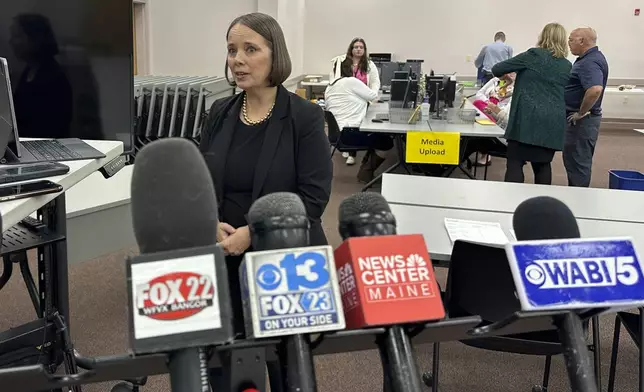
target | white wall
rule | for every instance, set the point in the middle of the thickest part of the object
(291, 15)
(444, 33)
(187, 37)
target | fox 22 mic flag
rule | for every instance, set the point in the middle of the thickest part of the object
(291, 291)
(577, 273)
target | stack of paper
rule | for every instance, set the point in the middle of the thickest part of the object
(475, 231)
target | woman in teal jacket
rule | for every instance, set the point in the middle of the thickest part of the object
(537, 122)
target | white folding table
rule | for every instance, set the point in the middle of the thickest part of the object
(421, 205)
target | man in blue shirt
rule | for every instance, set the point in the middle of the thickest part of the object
(492, 54)
(584, 94)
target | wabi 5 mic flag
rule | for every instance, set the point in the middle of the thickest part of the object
(554, 269)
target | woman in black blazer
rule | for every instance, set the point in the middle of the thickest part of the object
(263, 140)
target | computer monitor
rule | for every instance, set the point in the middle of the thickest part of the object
(386, 71)
(83, 85)
(414, 67)
(441, 90)
(398, 88)
(404, 91)
(449, 88)
(380, 57)
(401, 74)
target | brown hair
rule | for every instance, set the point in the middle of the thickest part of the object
(270, 30)
(363, 65)
(554, 39)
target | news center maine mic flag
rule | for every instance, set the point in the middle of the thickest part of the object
(290, 291)
(387, 280)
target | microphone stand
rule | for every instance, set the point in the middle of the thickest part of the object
(296, 359)
(300, 368)
(188, 370)
(400, 373)
(576, 355)
(403, 372)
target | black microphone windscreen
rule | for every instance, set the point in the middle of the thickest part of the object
(360, 203)
(173, 198)
(275, 204)
(544, 218)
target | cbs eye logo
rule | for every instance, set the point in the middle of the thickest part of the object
(269, 277)
(535, 274)
(307, 270)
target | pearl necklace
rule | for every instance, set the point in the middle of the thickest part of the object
(253, 122)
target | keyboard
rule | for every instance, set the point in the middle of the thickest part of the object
(50, 150)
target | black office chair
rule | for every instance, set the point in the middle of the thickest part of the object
(632, 322)
(492, 147)
(480, 282)
(335, 136)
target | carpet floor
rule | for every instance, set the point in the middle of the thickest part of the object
(99, 322)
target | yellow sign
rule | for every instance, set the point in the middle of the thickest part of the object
(484, 121)
(433, 147)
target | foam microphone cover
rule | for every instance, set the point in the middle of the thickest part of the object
(275, 205)
(365, 213)
(174, 205)
(544, 218)
(277, 221)
(360, 203)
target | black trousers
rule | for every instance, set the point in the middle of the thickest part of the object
(487, 76)
(362, 139)
(542, 172)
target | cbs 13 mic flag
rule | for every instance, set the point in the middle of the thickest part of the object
(290, 291)
(577, 273)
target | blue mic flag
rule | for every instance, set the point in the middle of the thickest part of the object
(577, 273)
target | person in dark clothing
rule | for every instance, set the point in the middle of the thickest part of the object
(537, 119)
(260, 141)
(584, 94)
(43, 99)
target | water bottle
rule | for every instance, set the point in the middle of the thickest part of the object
(424, 108)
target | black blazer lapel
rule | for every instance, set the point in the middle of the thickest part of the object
(276, 124)
(221, 143)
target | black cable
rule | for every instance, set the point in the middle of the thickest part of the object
(7, 271)
(29, 282)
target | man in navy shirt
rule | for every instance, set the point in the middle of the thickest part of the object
(584, 94)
